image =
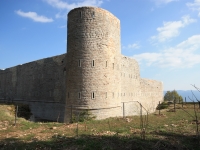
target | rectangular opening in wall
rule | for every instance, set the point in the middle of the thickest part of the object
(64, 71)
(113, 66)
(93, 63)
(93, 95)
(80, 14)
(79, 95)
(106, 95)
(93, 14)
(79, 62)
(106, 63)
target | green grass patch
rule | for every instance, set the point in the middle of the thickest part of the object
(167, 130)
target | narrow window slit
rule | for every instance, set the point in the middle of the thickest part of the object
(79, 63)
(93, 14)
(81, 14)
(93, 63)
(93, 95)
(79, 95)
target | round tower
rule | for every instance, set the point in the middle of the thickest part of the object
(93, 66)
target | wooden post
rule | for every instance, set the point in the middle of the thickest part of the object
(58, 116)
(174, 105)
(159, 108)
(109, 125)
(141, 118)
(123, 110)
(71, 115)
(77, 130)
(16, 111)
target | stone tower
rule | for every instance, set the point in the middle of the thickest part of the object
(93, 67)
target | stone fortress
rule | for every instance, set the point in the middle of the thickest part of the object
(92, 75)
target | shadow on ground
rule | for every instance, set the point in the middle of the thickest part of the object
(153, 141)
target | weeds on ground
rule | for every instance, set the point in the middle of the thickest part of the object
(167, 130)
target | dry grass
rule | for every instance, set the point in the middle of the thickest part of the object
(169, 130)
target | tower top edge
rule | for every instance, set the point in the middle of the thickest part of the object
(92, 8)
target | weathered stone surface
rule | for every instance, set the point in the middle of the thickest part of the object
(92, 75)
(38, 81)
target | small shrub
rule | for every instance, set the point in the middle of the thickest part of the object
(163, 105)
(82, 116)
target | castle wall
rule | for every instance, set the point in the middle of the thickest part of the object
(92, 75)
(151, 93)
(93, 59)
(136, 90)
(35, 82)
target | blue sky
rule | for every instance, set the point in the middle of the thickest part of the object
(163, 35)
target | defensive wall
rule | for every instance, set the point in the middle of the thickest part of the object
(92, 75)
(135, 90)
(41, 84)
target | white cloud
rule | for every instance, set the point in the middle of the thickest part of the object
(183, 55)
(195, 6)
(64, 26)
(159, 2)
(65, 5)
(171, 29)
(132, 46)
(34, 16)
(61, 15)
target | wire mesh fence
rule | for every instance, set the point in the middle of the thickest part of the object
(82, 115)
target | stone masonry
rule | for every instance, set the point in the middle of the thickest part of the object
(92, 75)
